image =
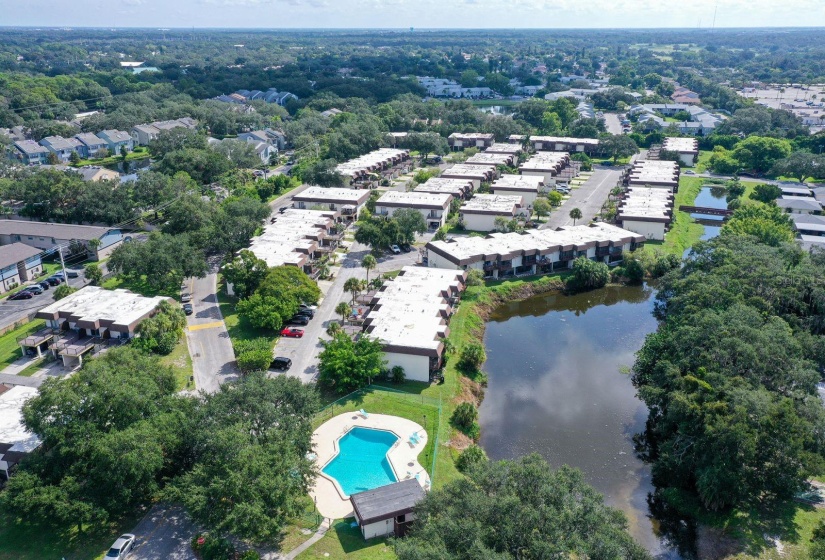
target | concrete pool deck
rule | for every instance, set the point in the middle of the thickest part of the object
(403, 456)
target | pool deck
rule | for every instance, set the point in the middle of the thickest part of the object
(403, 457)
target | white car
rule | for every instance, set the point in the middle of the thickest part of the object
(123, 545)
(395, 249)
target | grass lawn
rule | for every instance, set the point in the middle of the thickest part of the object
(32, 368)
(684, 231)
(344, 541)
(32, 542)
(138, 287)
(9, 349)
(113, 160)
(238, 327)
(181, 363)
(495, 102)
(609, 161)
(702, 163)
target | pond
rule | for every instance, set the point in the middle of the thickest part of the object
(709, 197)
(558, 386)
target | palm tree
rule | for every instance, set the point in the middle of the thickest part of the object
(368, 263)
(343, 309)
(353, 286)
(333, 329)
(575, 214)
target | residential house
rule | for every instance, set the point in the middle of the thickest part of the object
(270, 136)
(91, 146)
(30, 152)
(63, 148)
(799, 204)
(19, 263)
(116, 140)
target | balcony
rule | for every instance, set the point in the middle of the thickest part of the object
(566, 256)
(505, 265)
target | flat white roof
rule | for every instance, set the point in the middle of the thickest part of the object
(466, 250)
(410, 309)
(484, 158)
(529, 183)
(471, 136)
(414, 199)
(455, 187)
(504, 148)
(470, 171)
(322, 194)
(492, 204)
(293, 235)
(681, 145)
(12, 430)
(546, 161)
(370, 161)
(97, 305)
(565, 139)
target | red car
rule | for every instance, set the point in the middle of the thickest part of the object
(293, 332)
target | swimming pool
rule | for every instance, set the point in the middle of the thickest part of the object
(361, 463)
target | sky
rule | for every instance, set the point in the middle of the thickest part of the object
(413, 13)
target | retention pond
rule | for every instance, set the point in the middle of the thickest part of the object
(558, 386)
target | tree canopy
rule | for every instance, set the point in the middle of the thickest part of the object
(517, 509)
(346, 364)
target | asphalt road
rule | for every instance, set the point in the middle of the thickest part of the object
(164, 534)
(613, 124)
(213, 360)
(588, 198)
(12, 311)
(304, 351)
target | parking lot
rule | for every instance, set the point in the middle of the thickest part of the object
(12, 311)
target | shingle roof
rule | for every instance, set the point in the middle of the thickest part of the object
(58, 231)
(16, 252)
(387, 501)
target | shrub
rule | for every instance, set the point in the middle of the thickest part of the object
(250, 555)
(398, 375)
(588, 275)
(472, 356)
(208, 547)
(475, 277)
(253, 355)
(464, 416)
(470, 458)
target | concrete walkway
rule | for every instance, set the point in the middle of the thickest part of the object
(325, 526)
(19, 365)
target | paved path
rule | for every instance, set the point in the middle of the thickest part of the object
(213, 360)
(164, 534)
(588, 198)
(7, 379)
(613, 124)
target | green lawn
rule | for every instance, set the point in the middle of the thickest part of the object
(702, 163)
(345, 541)
(238, 327)
(609, 160)
(139, 153)
(33, 542)
(181, 363)
(33, 368)
(495, 102)
(139, 287)
(9, 349)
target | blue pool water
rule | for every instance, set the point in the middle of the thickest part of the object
(361, 463)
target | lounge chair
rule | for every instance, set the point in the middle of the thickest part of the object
(414, 440)
(364, 413)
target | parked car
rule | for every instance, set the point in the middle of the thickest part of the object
(71, 273)
(44, 285)
(306, 312)
(298, 320)
(292, 332)
(308, 306)
(122, 546)
(689, 172)
(35, 289)
(188, 309)
(283, 209)
(53, 281)
(395, 249)
(185, 298)
(406, 247)
(22, 295)
(281, 363)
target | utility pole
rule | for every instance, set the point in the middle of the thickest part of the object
(63, 264)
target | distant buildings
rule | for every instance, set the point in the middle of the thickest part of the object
(29, 152)
(442, 87)
(91, 145)
(369, 169)
(461, 140)
(701, 122)
(116, 140)
(685, 96)
(272, 95)
(142, 134)
(98, 241)
(268, 135)
(564, 144)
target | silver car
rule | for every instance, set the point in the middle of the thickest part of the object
(123, 545)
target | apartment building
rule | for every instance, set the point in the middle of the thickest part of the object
(349, 202)
(480, 212)
(647, 211)
(564, 144)
(476, 173)
(297, 238)
(546, 165)
(457, 188)
(525, 186)
(368, 170)
(687, 148)
(536, 251)
(433, 207)
(461, 140)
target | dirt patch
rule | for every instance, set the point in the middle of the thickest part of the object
(715, 544)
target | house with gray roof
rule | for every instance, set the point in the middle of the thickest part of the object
(117, 139)
(91, 146)
(63, 148)
(30, 152)
(387, 510)
(98, 241)
(18, 263)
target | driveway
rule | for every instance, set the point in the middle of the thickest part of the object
(12, 311)
(613, 124)
(304, 351)
(213, 360)
(164, 534)
(588, 198)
